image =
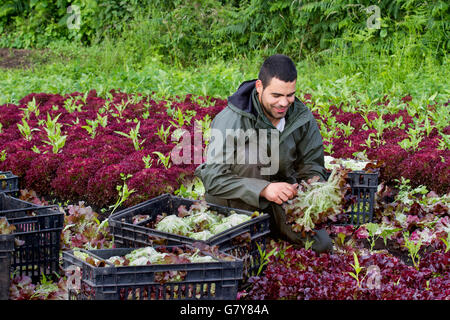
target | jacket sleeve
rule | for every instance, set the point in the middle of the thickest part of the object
(230, 181)
(310, 153)
(220, 181)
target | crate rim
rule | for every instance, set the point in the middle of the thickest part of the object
(28, 219)
(12, 180)
(52, 209)
(35, 257)
(16, 220)
(146, 202)
(10, 173)
(218, 261)
(223, 272)
(115, 219)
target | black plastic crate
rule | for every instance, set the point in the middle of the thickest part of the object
(216, 280)
(9, 183)
(364, 187)
(6, 249)
(38, 228)
(242, 241)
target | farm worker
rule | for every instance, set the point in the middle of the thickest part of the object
(262, 110)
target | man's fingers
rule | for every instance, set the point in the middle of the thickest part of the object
(279, 192)
(291, 190)
(276, 199)
(283, 197)
(288, 193)
(293, 187)
(294, 190)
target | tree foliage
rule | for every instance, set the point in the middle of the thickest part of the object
(186, 31)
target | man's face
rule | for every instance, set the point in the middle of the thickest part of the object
(276, 98)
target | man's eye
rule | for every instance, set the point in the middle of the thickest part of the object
(279, 95)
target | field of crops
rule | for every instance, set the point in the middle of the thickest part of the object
(99, 101)
(115, 152)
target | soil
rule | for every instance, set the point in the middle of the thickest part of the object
(394, 248)
(17, 58)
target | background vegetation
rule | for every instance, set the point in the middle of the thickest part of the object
(173, 47)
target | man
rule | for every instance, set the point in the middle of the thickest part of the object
(267, 105)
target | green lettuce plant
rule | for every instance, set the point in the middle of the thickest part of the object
(264, 258)
(162, 133)
(148, 161)
(32, 107)
(165, 160)
(26, 130)
(3, 155)
(413, 140)
(413, 248)
(317, 201)
(357, 270)
(377, 231)
(134, 136)
(53, 129)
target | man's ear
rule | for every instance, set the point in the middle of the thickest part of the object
(259, 87)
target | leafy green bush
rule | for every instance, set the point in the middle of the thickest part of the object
(176, 47)
(32, 23)
(189, 31)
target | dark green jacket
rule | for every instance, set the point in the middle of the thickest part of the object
(300, 149)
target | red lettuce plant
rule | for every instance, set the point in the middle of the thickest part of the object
(82, 229)
(303, 274)
(425, 165)
(22, 288)
(89, 165)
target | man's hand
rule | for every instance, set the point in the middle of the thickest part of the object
(279, 192)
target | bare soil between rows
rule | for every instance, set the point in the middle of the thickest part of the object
(17, 58)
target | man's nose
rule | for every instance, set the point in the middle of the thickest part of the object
(284, 102)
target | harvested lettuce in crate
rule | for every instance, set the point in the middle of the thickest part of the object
(351, 164)
(174, 224)
(199, 222)
(5, 227)
(147, 256)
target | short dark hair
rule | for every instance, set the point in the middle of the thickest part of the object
(277, 66)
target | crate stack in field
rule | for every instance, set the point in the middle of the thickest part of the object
(206, 280)
(364, 186)
(212, 280)
(9, 183)
(6, 249)
(241, 241)
(33, 247)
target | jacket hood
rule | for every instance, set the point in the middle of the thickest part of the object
(242, 98)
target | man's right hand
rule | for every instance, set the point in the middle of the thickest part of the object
(279, 192)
